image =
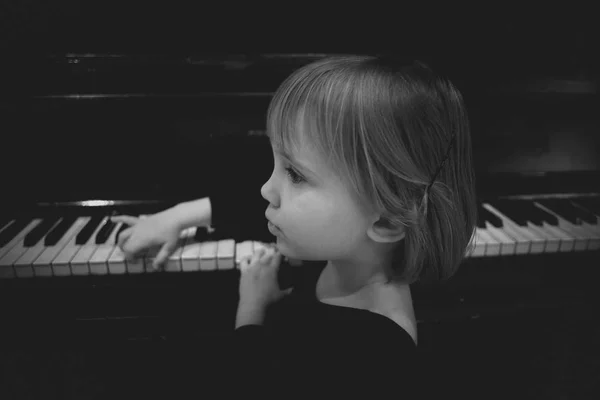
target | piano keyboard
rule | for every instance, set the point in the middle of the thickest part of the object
(72, 246)
(25, 253)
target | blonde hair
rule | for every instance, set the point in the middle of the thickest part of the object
(384, 128)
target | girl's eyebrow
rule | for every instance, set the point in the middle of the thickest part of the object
(292, 160)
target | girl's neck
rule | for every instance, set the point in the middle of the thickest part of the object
(341, 281)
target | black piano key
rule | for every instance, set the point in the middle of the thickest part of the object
(593, 205)
(510, 209)
(84, 235)
(544, 215)
(585, 214)
(13, 230)
(485, 215)
(564, 209)
(59, 230)
(105, 231)
(202, 234)
(527, 208)
(121, 229)
(40, 230)
(480, 219)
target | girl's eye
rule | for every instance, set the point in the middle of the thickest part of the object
(296, 179)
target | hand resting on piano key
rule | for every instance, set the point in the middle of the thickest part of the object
(162, 230)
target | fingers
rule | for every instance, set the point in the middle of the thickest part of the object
(267, 256)
(126, 219)
(123, 236)
(161, 258)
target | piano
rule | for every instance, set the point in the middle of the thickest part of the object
(88, 136)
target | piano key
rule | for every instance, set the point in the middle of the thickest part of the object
(510, 209)
(24, 265)
(589, 203)
(153, 252)
(79, 262)
(508, 245)
(33, 237)
(479, 246)
(117, 263)
(10, 232)
(59, 230)
(594, 219)
(492, 246)
(121, 229)
(14, 249)
(175, 261)
(190, 256)
(566, 210)
(98, 262)
(526, 240)
(242, 250)
(566, 241)
(89, 229)
(587, 237)
(484, 215)
(208, 255)
(225, 254)
(42, 266)
(105, 231)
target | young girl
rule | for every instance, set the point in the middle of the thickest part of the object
(373, 187)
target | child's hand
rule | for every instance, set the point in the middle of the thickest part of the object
(259, 286)
(159, 229)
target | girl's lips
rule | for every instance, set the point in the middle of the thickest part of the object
(273, 229)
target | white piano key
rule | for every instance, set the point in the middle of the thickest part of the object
(99, 260)
(174, 261)
(492, 246)
(552, 240)
(586, 238)
(242, 250)
(79, 262)
(225, 254)
(479, 249)
(508, 245)
(117, 264)
(208, 255)
(566, 241)
(42, 266)
(153, 252)
(527, 241)
(24, 265)
(14, 249)
(19, 236)
(60, 264)
(190, 256)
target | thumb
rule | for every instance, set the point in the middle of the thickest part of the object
(287, 291)
(164, 253)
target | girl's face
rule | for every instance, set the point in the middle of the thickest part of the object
(317, 217)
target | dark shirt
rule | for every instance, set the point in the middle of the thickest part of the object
(308, 344)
